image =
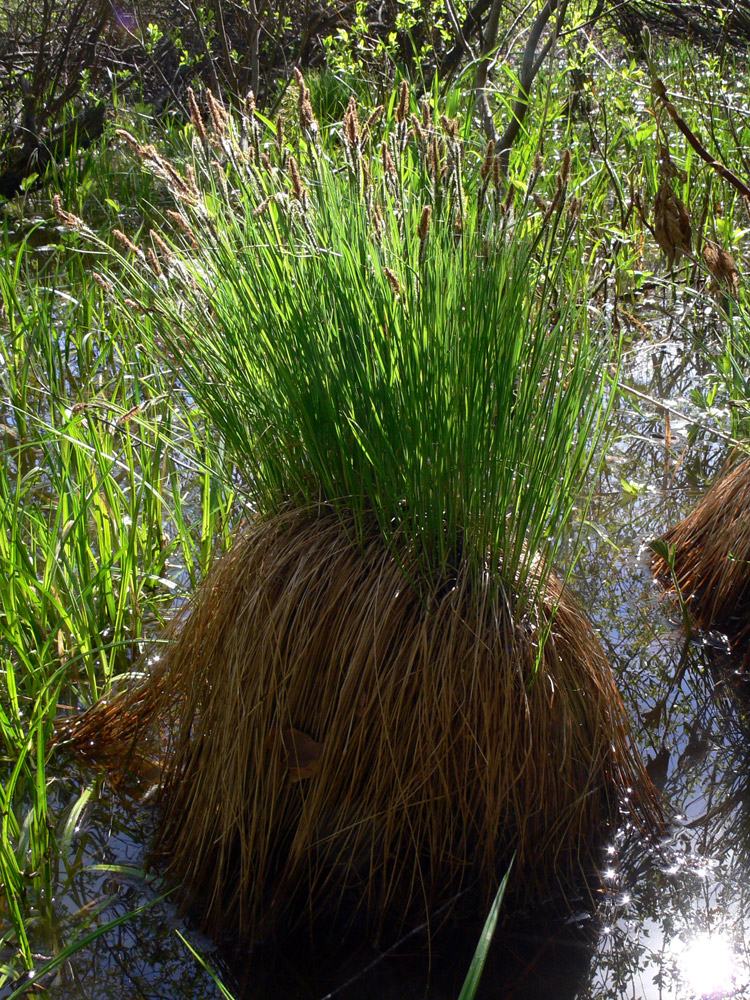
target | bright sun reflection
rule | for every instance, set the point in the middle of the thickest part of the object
(707, 965)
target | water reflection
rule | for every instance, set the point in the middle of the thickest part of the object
(673, 916)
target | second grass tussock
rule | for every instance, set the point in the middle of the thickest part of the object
(382, 689)
(711, 554)
(704, 560)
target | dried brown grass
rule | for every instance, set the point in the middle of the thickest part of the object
(725, 275)
(712, 556)
(332, 735)
(671, 221)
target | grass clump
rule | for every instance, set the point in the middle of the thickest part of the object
(96, 530)
(383, 690)
(711, 554)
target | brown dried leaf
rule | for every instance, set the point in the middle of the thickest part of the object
(652, 718)
(301, 754)
(671, 224)
(723, 268)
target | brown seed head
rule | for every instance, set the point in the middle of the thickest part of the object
(372, 121)
(160, 242)
(196, 117)
(184, 190)
(449, 125)
(131, 140)
(307, 119)
(388, 165)
(306, 115)
(497, 171)
(191, 182)
(351, 123)
(392, 280)
(565, 167)
(153, 262)
(298, 188)
(218, 115)
(403, 102)
(433, 159)
(181, 222)
(418, 133)
(120, 236)
(105, 285)
(134, 411)
(424, 223)
(67, 219)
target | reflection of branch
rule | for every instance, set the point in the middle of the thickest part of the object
(661, 92)
(660, 404)
(723, 807)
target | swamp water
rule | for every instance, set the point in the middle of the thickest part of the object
(672, 918)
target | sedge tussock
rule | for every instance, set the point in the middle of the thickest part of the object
(711, 556)
(435, 736)
(383, 689)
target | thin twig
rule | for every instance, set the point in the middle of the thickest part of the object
(661, 92)
(743, 445)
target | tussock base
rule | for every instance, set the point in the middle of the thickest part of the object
(712, 557)
(333, 738)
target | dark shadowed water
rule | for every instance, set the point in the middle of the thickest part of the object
(672, 917)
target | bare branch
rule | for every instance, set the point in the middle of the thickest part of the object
(529, 68)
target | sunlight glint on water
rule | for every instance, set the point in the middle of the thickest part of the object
(708, 965)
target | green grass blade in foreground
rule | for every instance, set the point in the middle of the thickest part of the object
(471, 983)
(95, 511)
(205, 965)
